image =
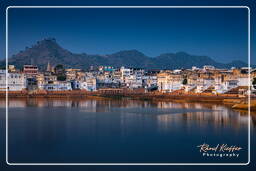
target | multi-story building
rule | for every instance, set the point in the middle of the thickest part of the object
(30, 70)
(125, 73)
(40, 80)
(204, 80)
(58, 86)
(163, 79)
(31, 84)
(149, 81)
(168, 82)
(72, 74)
(16, 81)
(11, 68)
(133, 82)
(90, 84)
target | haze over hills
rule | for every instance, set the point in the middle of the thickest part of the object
(48, 50)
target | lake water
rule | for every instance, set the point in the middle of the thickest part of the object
(122, 131)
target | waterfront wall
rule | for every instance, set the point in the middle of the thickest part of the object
(236, 101)
(136, 93)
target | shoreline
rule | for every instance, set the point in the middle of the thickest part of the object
(233, 100)
(142, 96)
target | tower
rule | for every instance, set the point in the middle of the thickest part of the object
(49, 68)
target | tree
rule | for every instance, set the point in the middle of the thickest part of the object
(60, 72)
(185, 81)
(2, 67)
(59, 69)
(61, 77)
(254, 83)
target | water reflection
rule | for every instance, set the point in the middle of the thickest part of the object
(86, 126)
(200, 112)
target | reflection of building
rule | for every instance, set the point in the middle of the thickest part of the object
(167, 115)
(206, 114)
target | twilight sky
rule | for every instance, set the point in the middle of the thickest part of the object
(218, 33)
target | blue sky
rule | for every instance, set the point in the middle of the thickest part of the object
(218, 33)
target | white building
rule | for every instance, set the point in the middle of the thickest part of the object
(138, 73)
(225, 86)
(208, 67)
(90, 84)
(149, 81)
(58, 86)
(203, 84)
(189, 87)
(125, 72)
(243, 81)
(229, 84)
(167, 82)
(133, 82)
(16, 81)
(194, 68)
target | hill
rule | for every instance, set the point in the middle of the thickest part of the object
(48, 50)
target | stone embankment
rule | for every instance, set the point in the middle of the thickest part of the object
(234, 100)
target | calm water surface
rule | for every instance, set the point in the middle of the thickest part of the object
(123, 131)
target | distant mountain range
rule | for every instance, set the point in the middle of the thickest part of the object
(48, 50)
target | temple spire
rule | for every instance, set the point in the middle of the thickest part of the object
(49, 68)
